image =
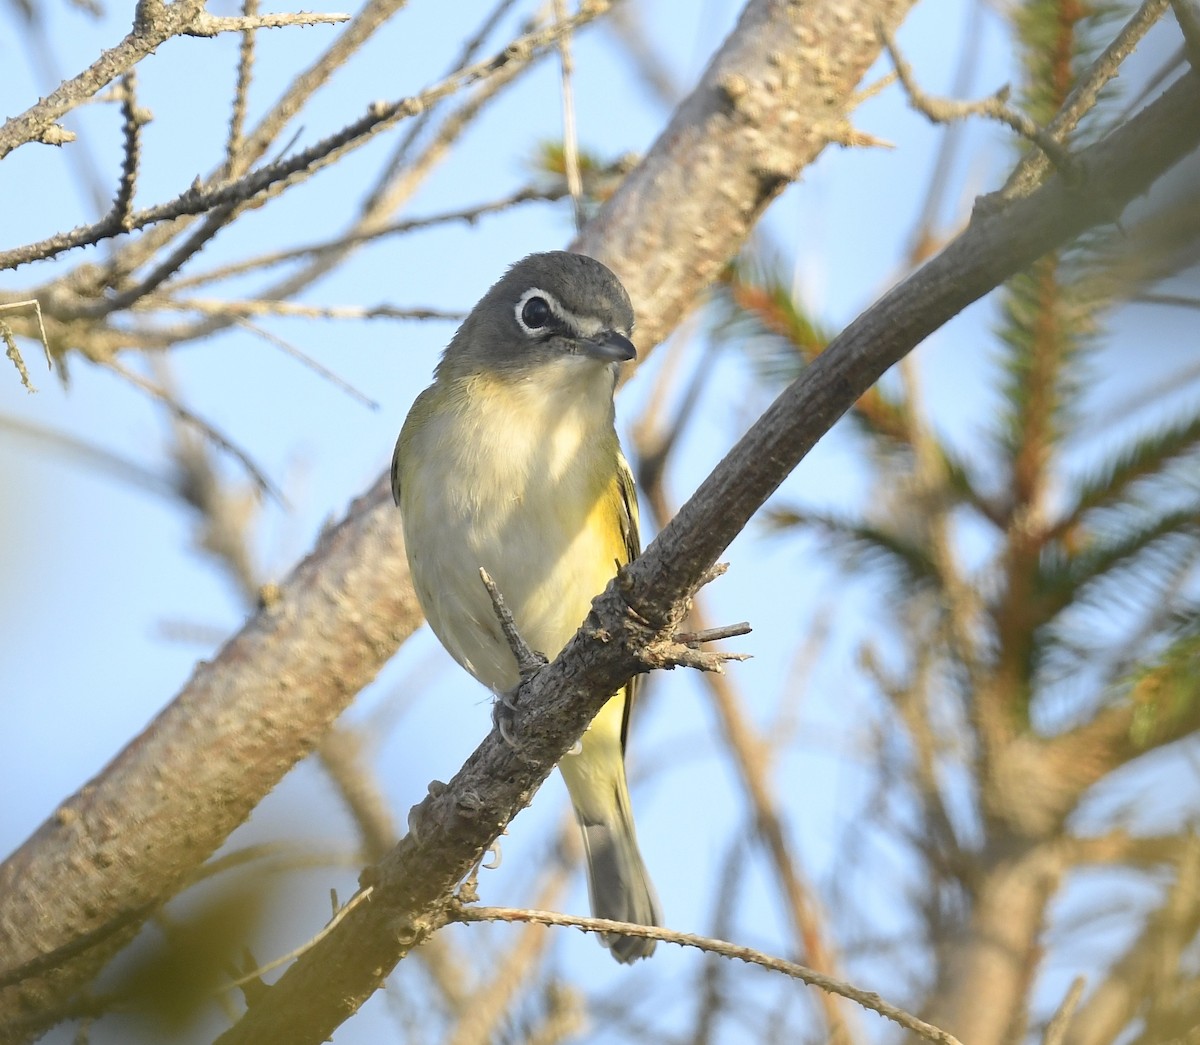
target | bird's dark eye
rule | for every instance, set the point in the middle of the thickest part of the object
(536, 313)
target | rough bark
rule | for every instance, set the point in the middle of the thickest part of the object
(84, 882)
(413, 888)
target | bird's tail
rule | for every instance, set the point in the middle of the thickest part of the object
(618, 884)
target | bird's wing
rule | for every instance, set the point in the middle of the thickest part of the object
(628, 507)
(396, 474)
(418, 415)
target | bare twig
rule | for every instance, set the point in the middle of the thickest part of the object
(528, 659)
(397, 160)
(237, 115)
(360, 897)
(366, 21)
(133, 118)
(211, 433)
(308, 361)
(1171, 300)
(38, 122)
(225, 512)
(728, 631)
(1033, 166)
(369, 18)
(239, 310)
(381, 115)
(14, 354)
(867, 999)
(154, 24)
(923, 238)
(665, 654)
(36, 307)
(570, 134)
(395, 188)
(217, 219)
(1056, 1029)
(468, 215)
(10, 341)
(212, 25)
(995, 107)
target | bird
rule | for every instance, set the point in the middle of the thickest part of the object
(510, 461)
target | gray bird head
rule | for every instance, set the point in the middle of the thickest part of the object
(546, 308)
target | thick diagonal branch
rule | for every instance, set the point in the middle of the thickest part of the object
(127, 842)
(413, 888)
(288, 673)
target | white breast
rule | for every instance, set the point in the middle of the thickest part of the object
(506, 475)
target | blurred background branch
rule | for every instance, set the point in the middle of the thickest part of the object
(976, 603)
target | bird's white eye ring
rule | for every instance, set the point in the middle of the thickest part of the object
(536, 310)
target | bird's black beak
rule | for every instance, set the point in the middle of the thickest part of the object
(609, 347)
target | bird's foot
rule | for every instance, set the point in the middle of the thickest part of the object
(504, 716)
(507, 707)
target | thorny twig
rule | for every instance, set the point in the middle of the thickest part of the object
(237, 115)
(10, 341)
(154, 24)
(867, 999)
(379, 116)
(467, 215)
(133, 118)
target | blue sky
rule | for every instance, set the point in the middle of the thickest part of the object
(102, 576)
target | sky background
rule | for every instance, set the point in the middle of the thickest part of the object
(106, 605)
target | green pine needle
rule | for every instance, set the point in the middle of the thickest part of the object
(1116, 482)
(862, 545)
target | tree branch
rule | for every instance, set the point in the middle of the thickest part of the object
(867, 999)
(112, 853)
(153, 25)
(179, 789)
(414, 886)
(202, 198)
(213, 25)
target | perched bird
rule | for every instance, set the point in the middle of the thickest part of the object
(510, 461)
